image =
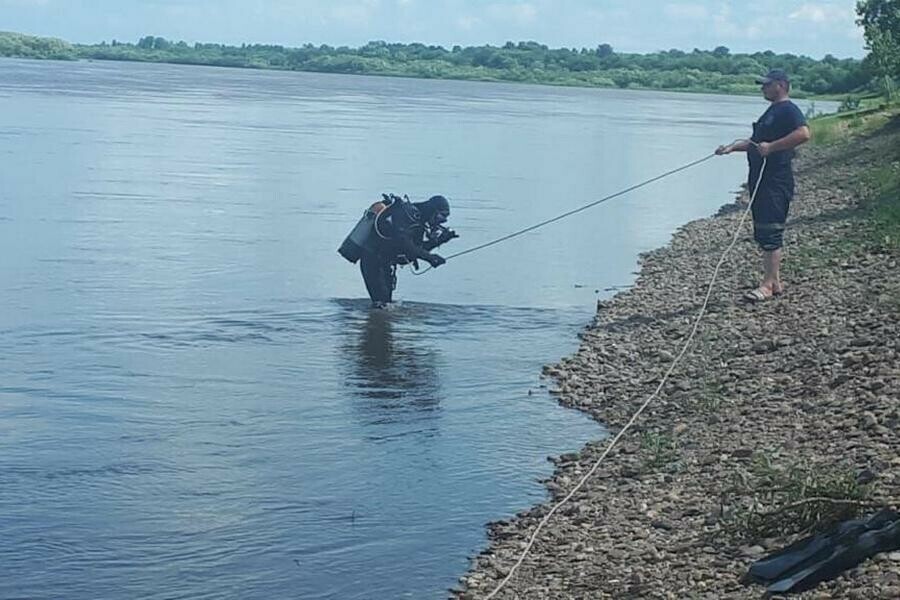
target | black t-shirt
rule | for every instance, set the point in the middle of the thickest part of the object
(779, 120)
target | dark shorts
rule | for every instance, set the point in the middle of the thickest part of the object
(770, 211)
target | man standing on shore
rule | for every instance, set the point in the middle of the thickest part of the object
(775, 135)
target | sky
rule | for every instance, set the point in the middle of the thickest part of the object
(813, 28)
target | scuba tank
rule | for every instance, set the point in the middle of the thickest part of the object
(364, 236)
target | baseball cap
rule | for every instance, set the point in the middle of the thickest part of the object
(773, 75)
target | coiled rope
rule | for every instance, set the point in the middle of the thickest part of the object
(650, 398)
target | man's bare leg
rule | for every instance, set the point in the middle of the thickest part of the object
(771, 283)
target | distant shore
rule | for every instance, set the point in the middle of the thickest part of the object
(804, 386)
(750, 93)
(715, 71)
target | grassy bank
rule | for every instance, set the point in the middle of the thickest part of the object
(870, 114)
(882, 201)
(885, 207)
(879, 185)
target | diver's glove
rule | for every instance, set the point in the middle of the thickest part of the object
(434, 260)
(446, 235)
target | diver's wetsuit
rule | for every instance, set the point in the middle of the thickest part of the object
(773, 199)
(404, 226)
(380, 275)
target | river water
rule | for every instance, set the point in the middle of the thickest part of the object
(197, 402)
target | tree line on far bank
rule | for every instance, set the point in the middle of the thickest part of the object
(717, 70)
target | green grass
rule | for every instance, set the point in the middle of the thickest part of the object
(883, 205)
(880, 183)
(826, 130)
(876, 229)
(826, 253)
(781, 499)
(658, 451)
(872, 115)
(709, 398)
(874, 225)
(837, 127)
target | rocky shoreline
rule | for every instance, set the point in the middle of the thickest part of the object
(810, 378)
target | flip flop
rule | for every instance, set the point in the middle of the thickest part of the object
(758, 295)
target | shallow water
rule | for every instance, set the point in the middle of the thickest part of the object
(196, 401)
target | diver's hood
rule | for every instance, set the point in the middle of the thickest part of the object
(432, 206)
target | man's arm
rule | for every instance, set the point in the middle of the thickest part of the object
(798, 136)
(735, 146)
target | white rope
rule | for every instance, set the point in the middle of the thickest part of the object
(571, 212)
(646, 402)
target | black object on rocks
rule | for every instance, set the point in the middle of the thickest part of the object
(807, 562)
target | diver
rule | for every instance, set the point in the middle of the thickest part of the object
(396, 232)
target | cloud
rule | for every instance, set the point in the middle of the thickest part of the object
(519, 13)
(355, 13)
(694, 12)
(723, 25)
(468, 23)
(855, 33)
(820, 14)
(727, 29)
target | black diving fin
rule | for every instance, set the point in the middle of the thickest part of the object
(808, 562)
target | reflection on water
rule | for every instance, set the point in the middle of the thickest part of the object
(392, 364)
(392, 372)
